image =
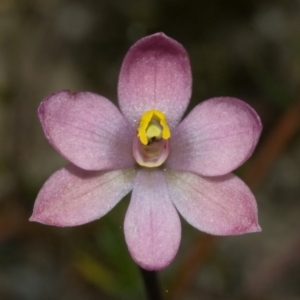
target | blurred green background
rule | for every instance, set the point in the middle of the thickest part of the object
(247, 49)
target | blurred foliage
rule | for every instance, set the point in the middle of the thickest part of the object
(248, 49)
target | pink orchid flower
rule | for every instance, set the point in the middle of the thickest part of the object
(169, 165)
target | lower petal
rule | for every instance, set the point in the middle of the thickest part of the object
(152, 225)
(72, 196)
(220, 205)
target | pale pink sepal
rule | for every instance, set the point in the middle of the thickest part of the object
(155, 74)
(218, 136)
(88, 130)
(72, 196)
(152, 226)
(216, 205)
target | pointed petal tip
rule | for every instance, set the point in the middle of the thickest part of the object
(43, 218)
(49, 218)
(45, 221)
(251, 228)
(254, 228)
(32, 219)
(161, 35)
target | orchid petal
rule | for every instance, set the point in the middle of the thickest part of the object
(155, 74)
(152, 226)
(88, 130)
(217, 205)
(72, 196)
(217, 137)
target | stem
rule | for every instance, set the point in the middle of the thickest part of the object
(151, 284)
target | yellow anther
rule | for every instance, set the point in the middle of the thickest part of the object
(153, 125)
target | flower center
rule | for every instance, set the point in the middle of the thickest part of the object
(151, 145)
(153, 125)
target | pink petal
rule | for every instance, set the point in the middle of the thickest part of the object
(152, 226)
(218, 205)
(218, 136)
(72, 196)
(155, 74)
(88, 130)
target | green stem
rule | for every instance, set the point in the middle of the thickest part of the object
(151, 284)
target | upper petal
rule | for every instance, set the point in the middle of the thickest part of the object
(218, 136)
(152, 225)
(220, 205)
(72, 196)
(155, 74)
(88, 130)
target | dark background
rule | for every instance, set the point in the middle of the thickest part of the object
(247, 49)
